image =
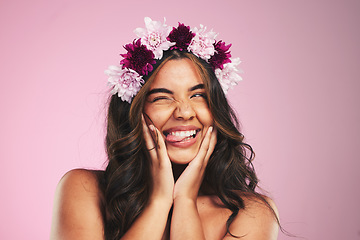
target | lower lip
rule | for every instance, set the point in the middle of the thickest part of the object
(184, 144)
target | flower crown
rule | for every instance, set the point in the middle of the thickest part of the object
(157, 37)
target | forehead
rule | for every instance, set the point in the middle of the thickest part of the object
(177, 74)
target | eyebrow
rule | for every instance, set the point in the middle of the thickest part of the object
(160, 90)
(164, 90)
(199, 86)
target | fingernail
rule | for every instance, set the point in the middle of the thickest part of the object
(152, 128)
(210, 129)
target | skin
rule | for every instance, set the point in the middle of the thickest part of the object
(179, 104)
(182, 104)
(76, 207)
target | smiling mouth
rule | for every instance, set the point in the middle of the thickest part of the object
(180, 136)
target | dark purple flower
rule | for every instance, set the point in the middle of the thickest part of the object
(181, 36)
(222, 55)
(138, 58)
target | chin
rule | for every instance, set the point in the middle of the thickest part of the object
(181, 157)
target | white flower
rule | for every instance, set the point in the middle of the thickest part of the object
(228, 76)
(154, 36)
(125, 82)
(202, 45)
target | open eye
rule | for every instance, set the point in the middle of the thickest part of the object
(197, 95)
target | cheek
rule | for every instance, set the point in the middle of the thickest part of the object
(206, 119)
(158, 116)
(204, 116)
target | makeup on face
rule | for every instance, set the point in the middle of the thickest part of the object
(176, 104)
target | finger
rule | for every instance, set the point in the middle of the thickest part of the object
(149, 140)
(161, 146)
(212, 144)
(204, 147)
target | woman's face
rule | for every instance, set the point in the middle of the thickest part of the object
(177, 106)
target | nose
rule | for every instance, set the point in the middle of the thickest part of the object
(184, 111)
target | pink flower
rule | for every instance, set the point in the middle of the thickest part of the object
(154, 36)
(154, 40)
(138, 58)
(124, 81)
(181, 36)
(221, 56)
(228, 76)
(202, 45)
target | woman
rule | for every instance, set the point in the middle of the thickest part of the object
(178, 166)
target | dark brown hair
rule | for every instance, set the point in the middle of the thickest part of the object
(229, 174)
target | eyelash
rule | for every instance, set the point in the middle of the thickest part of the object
(159, 98)
(166, 98)
(199, 94)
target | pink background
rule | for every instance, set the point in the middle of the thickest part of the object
(298, 103)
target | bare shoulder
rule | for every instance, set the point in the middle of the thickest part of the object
(258, 221)
(81, 179)
(77, 210)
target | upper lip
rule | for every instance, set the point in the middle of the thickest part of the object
(180, 128)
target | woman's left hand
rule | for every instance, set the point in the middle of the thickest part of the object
(188, 184)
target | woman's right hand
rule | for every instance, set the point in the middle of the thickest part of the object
(161, 169)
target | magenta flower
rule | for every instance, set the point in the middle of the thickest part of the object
(182, 37)
(157, 38)
(138, 58)
(222, 55)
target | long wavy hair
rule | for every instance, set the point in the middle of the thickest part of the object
(229, 175)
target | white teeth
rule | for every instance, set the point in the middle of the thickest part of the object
(183, 133)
